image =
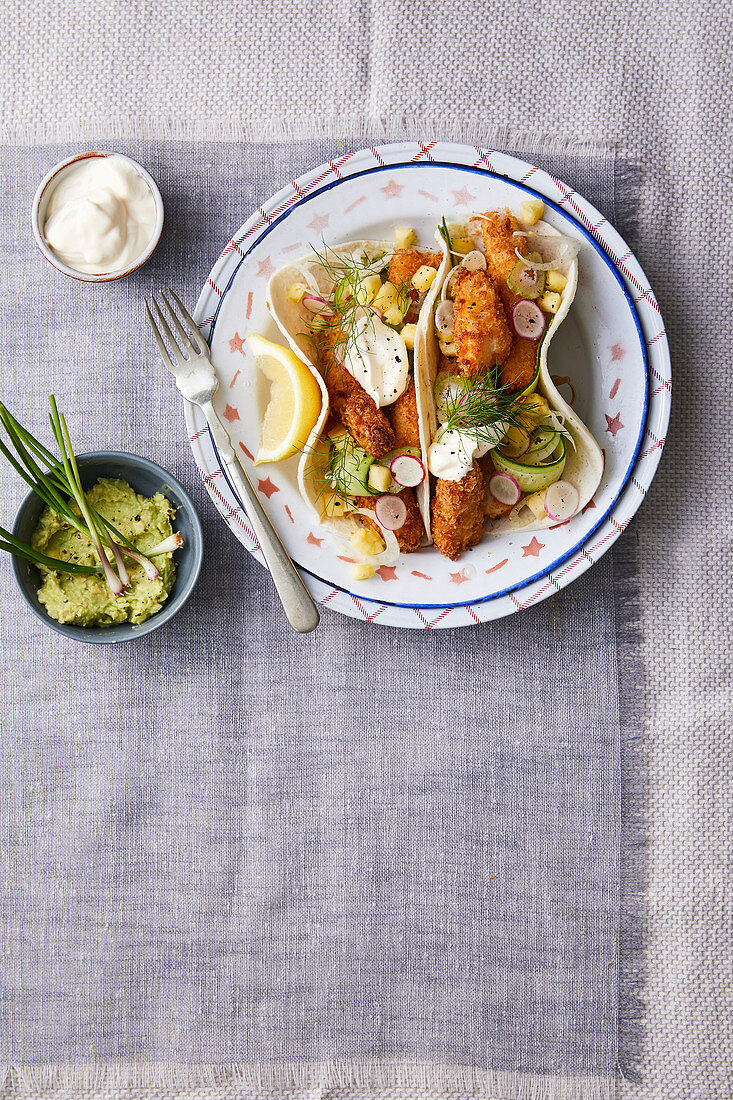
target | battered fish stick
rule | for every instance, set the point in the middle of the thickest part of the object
(403, 265)
(458, 513)
(404, 418)
(480, 330)
(498, 227)
(355, 408)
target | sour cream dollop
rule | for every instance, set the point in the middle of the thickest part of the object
(100, 215)
(451, 454)
(376, 357)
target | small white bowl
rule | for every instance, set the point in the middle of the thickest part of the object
(38, 219)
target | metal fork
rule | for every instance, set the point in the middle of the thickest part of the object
(196, 379)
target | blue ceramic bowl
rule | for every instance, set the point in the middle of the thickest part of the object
(147, 478)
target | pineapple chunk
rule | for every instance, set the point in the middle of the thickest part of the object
(408, 333)
(386, 296)
(405, 236)
(448, 347)
(393, 316)
(534, 409)
(555, 281)
(536, 504)
(337, 435)
(367, 541)
(296, 292)
(423, 278)
(380, 478)
(362, 572)
(531, 210)
(368, 288)
(549, 301)
(334, 505)
(462, 245)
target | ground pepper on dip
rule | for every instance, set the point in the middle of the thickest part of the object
(87, 600)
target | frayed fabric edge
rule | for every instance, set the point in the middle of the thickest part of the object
(365, 130)
(311, 1081)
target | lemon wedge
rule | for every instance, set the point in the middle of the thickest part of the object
(295, 400)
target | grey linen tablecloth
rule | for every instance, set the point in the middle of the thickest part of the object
(283, 866)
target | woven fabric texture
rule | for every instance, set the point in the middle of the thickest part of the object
(254, 848)
(653, 79)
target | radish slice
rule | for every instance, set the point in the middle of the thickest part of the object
(391, 512)
(315, 304)
(504, 488)
(407, 470)
(561, 501)
(474, 261)
(528, 319)
(444, 318)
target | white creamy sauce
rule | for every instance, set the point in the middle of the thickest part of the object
(451, 454)
(376, 357)
(100, 215)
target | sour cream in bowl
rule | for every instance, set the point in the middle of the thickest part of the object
(97, 216)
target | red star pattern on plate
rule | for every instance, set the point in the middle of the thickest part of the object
(267, 487)
(532, 550)
(424, 576)
(387, 572)
(248, 453)
(231, 414)
(463, 197)
(313, 540)
(237, 343)
(617, 352)
(613, 423)
(320, 221)
(264, 267)
(614, 388)
(458, 578)
(392, 191)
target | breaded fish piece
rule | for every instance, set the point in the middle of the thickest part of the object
(410, 534)
(354, 407)
(458, 513)
(480, 330)
(497, 227)
(517, 370)
(493, 508)
(403, 265)
(404, 419)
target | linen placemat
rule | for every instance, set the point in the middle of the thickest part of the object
(361, 861)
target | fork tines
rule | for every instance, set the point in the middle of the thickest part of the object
(193, 341)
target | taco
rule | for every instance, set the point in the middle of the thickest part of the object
(351, 312)
(505, 451)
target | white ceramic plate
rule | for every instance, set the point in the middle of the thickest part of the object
(612, 346)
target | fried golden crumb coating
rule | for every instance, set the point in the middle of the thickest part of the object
(480, 330)
(493, 508)
(354, 407)
(518, 368)
(458, 513)
(497, 227)
(410, 534)
(403, 265)
(404, 419)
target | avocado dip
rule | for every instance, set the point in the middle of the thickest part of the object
(87, 600)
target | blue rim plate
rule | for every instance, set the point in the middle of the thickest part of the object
(615, 277)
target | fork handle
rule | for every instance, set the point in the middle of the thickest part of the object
(297, 602)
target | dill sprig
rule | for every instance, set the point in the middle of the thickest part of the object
(481, 408)
(346, 305)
